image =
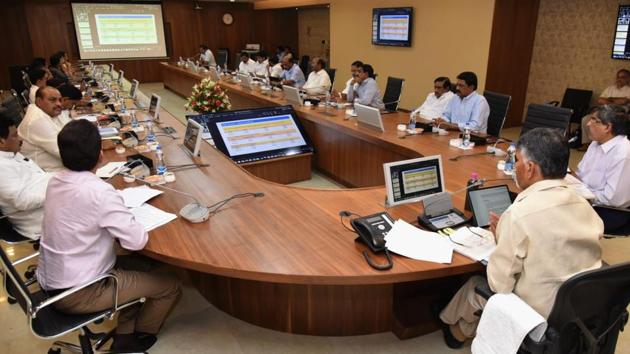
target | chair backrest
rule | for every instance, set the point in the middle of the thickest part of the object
(499, 105)
(12, 105)
(546, 116)
(331, 74)
(393, 91)
(15, 285)
(222, 57)
(26, 79)
(578, 100)
(304, 64)
(594, 299)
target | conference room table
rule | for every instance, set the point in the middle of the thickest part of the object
(285, 261)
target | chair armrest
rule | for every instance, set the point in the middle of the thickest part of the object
(484, 290)
(73, 290)
(554, 103)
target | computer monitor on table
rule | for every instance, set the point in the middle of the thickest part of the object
(133, 90)
(412, 180)
(154, 106)
(369, 116)
(292, 95)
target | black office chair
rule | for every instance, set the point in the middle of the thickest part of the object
(331, 74)
(616, 221)
(26, 79)
(12, 105)
(305, 64)
(222, 57)
(48, 323)
(393, 91)
(577, 100)
(588, 314)
(546, 116)
(499, 106)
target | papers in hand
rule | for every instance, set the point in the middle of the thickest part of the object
(409, 241)
(578, 187)
(151, 217)
(474, 242)
(136, 196)
(110, 169)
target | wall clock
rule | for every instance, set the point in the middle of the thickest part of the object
(227, 18)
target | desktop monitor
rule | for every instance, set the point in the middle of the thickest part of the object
(369, 116)
(111, 68)
(133, 90)
(214, 74)
(392, 26)
(412, 180)
(121, 76)
(251, 135)
(154, 106)
(485, 200)
(246, 80)
(193, 137)
(292, 95)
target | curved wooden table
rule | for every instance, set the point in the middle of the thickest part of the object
(285, 261)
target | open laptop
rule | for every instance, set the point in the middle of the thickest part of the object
(292, 95)
(369, 116)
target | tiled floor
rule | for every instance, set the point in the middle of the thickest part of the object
(197, 327)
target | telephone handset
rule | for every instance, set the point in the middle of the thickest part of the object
(372, 230)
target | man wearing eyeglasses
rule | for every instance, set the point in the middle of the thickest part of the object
(436, 101)
(468, 109)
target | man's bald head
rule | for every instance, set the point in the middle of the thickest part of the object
(48, 99)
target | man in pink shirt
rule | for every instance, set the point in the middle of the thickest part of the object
(83, 218)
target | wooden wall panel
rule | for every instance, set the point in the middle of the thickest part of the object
(511, 47)
(42, 27)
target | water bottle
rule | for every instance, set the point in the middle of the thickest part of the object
(219, 71)
(225, 70)
(160, 164)
(474, 178)
(510, 159)
(134, 120)
(150, 133)
(412, 121)
(466, 136)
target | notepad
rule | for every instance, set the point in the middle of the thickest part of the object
(136, 196)
(151, 217)
(474, 242)
(409, 241)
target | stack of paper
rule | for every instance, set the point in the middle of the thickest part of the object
(577, 186)
(136, 196)
(151, 217)
(474, 242)
(409, 241)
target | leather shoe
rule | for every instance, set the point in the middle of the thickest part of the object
(449, 339)
(136, 342)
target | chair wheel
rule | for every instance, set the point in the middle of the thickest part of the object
(54, 351)
(11, 300)
(29, 274)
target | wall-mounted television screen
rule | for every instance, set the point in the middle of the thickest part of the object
(621, 44)
(392, 26)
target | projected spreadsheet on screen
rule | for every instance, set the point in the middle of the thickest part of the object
(394, 27)
(115, 29)
(260, 134)
(621, 46)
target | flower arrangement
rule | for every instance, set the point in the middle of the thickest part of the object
(208, 97)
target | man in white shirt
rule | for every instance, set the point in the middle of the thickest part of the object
(262, 64)
(318, 82)
(354, 69)
(38, 77)
(275, 67)
(619, 93)
(206, 57)
(247, 65)
(22, 183)
(39, 128)
(605, 168)
(436, 101)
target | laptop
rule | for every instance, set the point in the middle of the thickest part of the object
(292, 95)
(246, 80)
(369, 116)
(482, 201)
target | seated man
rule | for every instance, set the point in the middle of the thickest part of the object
(247, 65)
(354, 69)
(39, 128)
(262, 64)
(436, 102)
(546, 236)
(84, 218)
(292, 74)
(364, 89)
(205, 56)
(38, 79)
(467, 109)
(275, 68)
(70, 97)
(22, 183)
(56, 60)
(619, 93)
(318, 82)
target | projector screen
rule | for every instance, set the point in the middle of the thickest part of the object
(116, 31)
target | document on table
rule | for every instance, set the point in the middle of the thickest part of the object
(89, 117)
(474, 242)
(577, 186)
(136, 196)
(151, 217)
(110, 169)
(409, 241)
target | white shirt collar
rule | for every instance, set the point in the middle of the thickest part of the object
(7, 154)
(610, 144)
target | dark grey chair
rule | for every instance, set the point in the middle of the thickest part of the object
(222, 57)
(577, 100)
(546, 116)
(616, 220)
(331, 74)
(499, 106)
(393, 91)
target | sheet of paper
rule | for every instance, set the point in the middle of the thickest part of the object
(151, 217)
(136, 196)
(110, 169)
(477, 246)
(577, 186)
(89, 117)
(409, 241)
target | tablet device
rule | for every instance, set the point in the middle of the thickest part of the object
(192, 139)
(485, 200)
